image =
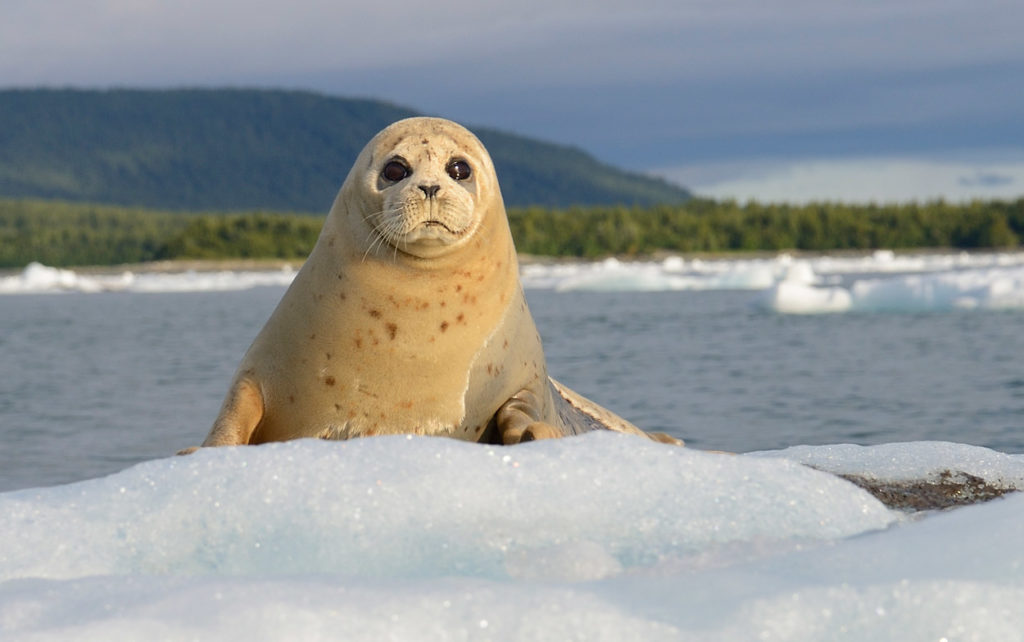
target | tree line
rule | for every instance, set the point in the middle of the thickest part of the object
(702, 225)
(67, 234)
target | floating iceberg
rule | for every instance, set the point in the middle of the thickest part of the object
(881, 281)
(988, 288)
(40, 279)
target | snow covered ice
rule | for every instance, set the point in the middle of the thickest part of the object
(41, 279)
(605, 536)
(881, 281)
(877, 282)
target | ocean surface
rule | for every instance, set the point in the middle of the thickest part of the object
(104, 372)
(892, 367)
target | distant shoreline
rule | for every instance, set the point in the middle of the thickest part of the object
(273, 265)
(57, 234)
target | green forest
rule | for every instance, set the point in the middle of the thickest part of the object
(68, 234)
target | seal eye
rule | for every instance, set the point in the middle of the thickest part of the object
(459, 170)
(395, 171)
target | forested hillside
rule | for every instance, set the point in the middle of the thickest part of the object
(239, 149)
(63, 234)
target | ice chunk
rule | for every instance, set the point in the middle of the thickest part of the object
(40, 279)
(603, 537)
(908, 461)
(396, 506)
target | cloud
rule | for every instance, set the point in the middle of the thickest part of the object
(554, 40)
(988, 179)
(644, 84)
(860, 180)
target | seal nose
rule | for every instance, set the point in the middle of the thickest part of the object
(430, 190)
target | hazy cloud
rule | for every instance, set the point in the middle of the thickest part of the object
(881, 180)
(648, 83)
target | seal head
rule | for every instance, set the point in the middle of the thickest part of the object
(420, 194)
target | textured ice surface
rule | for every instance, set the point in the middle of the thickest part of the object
(405, 507)
(909, 461)
(605, 537)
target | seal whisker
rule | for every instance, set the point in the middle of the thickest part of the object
(376, 215)
(376, 242)
(380, 229)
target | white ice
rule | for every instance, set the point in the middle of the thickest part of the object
(877, 282)
(990, 288)
(601, 537)
(41, 279)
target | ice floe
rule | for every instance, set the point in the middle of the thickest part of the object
(601, 537)
(882, 281)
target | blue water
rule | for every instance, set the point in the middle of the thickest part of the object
(93, 383)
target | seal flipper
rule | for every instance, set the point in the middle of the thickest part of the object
(238, 419)
(576, 410)
(239, 416)
(519, 420)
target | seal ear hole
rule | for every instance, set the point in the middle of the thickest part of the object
(395, 171)
(459, 169)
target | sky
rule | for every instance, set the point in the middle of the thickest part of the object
(783, 100)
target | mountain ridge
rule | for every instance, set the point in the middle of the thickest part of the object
(242, 149)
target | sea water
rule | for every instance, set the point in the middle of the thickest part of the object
(883, 366)
(120, 369)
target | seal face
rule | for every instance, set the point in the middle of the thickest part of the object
(408, 316)
(428, 193)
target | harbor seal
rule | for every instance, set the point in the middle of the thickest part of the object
(408, 316)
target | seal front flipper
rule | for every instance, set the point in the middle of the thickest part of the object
(239, 416)
(519, 420)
